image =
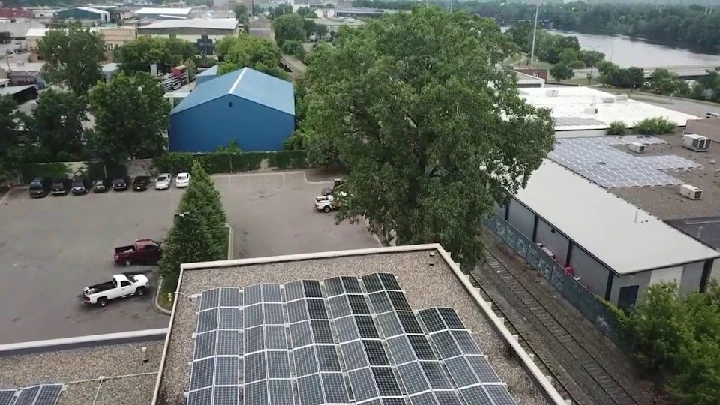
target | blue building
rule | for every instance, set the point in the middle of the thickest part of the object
(252, 108)
(206, 75)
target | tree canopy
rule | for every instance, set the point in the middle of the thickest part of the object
(56, 126)
(289, 27)
(138, 55)
(131, 116)
(11, 135)
(430, 143)
(72, 58)
(250, 51)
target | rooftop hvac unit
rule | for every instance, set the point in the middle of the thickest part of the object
(621, 98)
(591, 110)
(695, 142)
(691, 192)
(608, 100)
(712, 115)
(636, 147)
(552, 93)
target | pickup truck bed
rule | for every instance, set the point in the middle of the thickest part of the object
(122, 285)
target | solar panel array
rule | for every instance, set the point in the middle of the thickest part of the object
(343, 340)
(598, 160)
(46, 394)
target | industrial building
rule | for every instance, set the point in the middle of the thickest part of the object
(612, 247)
(252, 108)
(204, 33)
(358, 12)
(84, 14)
(163, 13)
(206, 75)
(584, 111)
(528, 81)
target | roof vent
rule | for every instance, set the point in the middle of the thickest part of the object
(636, 147)
(695, 142)
(591, 110)
(552, 93)
(608, 100)
(621, 98)
(691, 192)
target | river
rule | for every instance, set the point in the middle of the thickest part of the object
(626, 52)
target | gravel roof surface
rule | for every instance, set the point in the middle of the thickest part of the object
(666, 202)
(425, 286)
(127, 379)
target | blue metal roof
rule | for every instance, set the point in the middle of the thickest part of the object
(213, 71)
(245, 83)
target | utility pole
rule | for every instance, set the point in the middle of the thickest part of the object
(532, 50)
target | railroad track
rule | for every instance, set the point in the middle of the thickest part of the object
(578, 375)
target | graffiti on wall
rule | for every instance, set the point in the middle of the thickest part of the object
(572, 290)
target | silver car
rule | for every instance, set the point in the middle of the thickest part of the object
(162, 182)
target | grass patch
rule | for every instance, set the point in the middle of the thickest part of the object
(583, 81)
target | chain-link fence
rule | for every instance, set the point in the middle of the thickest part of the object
(573, 291)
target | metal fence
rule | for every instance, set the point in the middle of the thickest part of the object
(574, 292)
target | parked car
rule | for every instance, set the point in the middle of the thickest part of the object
(141, 183)
(121, 183)
(327, 203)
(143, 251)
(162, 182)
(121, 286)
(61, 186)
(182, 180)
(80, 186)
(40, 187)
(102, 186)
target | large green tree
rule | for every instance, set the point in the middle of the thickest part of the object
(11, 136)
(56, 126)
(204, 200)
(254, 52)
(138, 55)
(561, 72)
(430, 143)
(72, 58)
(131, 116)
(288, 27)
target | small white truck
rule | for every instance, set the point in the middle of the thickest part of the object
(121, 286)
(328, 203)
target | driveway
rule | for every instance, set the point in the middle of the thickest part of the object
(51, 248)
(274, 214)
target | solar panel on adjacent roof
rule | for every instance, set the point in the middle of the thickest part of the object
(340, 341)
(48, 394)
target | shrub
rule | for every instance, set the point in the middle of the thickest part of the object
(229, 162)
(655, 126)
(617, 128)
(29, 171)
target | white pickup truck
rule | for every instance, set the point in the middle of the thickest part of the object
(328, 202)
(121, 286)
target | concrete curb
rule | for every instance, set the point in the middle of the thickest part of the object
(157, 306)
(231, 234)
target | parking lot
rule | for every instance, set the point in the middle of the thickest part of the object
(51, 248)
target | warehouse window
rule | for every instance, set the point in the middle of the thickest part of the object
(230, 104)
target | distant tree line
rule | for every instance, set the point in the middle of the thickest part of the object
(692, 26)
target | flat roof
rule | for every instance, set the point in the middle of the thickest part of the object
(202, 23)
(426, 273)
(164, 10)
(106, 371)
(10, 90)
(621, 235)
(666, 202)
(572, 108)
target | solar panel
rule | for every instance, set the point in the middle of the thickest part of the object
(310, 390)
(312, 288)
(311, 342)
(271, 293)
(227, 395)
(6, 396)
(209, 299)
(253, 294)
(389, 281)
(278, 364)
(200, 397)
(230, 297)
(372, 283)
(363, 384)
(334, 388)
(280, 392)
(205, 345)
(226, 370)
(48, 394)
(352, 285)
(333, 287)
(201, 375)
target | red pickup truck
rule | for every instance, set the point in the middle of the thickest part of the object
(143, 251)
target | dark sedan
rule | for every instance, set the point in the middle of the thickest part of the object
(121, 184)
(80, 186)
(102, 186)
(141, 183)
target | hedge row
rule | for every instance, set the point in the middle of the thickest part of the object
(93, 170)
(224, 162)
